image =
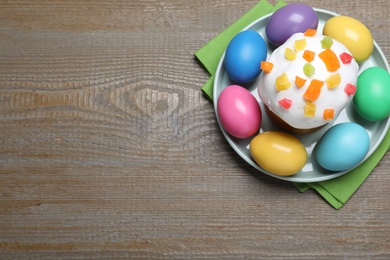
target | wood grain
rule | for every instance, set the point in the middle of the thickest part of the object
(109, 150)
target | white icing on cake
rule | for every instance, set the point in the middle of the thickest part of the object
(336, 98)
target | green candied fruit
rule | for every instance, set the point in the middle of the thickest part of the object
(309, 69)
(326, 42)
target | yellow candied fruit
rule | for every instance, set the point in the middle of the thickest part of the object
(300, 45)
(282, 82)
(333, 81)
(290, 54)
(309, 110)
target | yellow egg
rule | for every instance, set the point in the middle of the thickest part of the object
(278, 152)
(353, 34)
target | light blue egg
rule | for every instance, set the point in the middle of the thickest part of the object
(342, 147)
(244, 55)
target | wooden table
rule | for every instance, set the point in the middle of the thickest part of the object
(108, 149)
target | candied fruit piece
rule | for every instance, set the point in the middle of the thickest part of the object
(328, 114)
(333, 81)
(309, 110)
(326, 42)
(300, 44)
(309, 55)
(309, 69)
(285, 102)
(350, 89)
(330, 59)
(290, 54)
(266, 66)
(310, 32)
(299, 81)
(346, 58)
(314, 90)
(282, 82)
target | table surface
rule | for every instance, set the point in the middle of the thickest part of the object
(108, 148)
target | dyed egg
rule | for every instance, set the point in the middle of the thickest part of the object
(278, 152)
(290, 19)
(342, 147)
(353, 34)
(372, 98)
(244, 55)
(238, 111)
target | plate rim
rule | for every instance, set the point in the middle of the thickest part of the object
(292, 178)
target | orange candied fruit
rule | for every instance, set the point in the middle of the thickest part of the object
(310, 32)
(266, 66)
(330, 59)
(328, 114)
(314, 90)
(310, 109)
(299, 81)
(309, 55)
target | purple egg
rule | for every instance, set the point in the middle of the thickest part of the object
(290, 19)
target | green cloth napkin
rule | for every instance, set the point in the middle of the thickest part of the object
(336, 191)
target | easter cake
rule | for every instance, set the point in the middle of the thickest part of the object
(307, 82)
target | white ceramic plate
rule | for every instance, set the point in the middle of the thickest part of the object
(311, 172)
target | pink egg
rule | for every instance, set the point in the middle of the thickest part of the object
(239, 112)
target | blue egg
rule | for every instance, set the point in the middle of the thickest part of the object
(342, 147)
(244, 55)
